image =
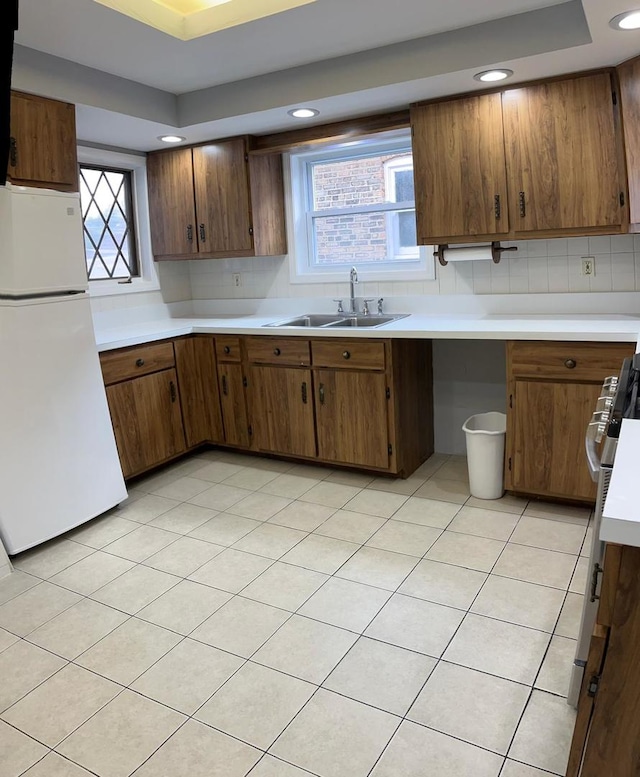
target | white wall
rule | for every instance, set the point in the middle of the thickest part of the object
(539, 266)
(469, 376)
(175, 286)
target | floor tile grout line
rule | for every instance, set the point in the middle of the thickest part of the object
(334, 574)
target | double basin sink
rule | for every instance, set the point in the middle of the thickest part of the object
(338, 320)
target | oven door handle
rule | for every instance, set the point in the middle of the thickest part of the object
(591, 449)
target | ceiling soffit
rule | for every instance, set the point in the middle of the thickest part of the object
(189, 19)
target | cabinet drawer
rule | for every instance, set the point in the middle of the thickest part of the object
(275, 350)
(228, 349)
(133, 362)
(349, 354)
(567, 361)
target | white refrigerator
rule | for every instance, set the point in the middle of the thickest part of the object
(59, 464)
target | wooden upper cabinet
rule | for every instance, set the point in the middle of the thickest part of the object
(43, 143)
(213, 201)
(172, 208)
(629, 77)
(222, 197)
(460, 172)
(562, 157)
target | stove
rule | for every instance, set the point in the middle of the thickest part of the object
(619, 399)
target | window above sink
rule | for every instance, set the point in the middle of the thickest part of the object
(353, 203)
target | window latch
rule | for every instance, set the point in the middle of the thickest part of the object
(125, 280)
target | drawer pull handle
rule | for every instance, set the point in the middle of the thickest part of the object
(304, 393)
(346, 355)
(203, 234)
(172, 391)
(227, 349)
(139, 362)
(13, 152)
(496, 206)
(276, 352)
(321, 393)
(190, 233)
(570, 364)
(225, 387)
(523, 204)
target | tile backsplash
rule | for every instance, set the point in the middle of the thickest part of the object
(539, 266)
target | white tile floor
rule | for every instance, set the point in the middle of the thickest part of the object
(240, 616)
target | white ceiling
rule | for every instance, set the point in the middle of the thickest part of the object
(86, 32)
(243, 80)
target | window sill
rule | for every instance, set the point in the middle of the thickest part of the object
(113, 288)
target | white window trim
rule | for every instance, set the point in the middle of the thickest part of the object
(148, 280)
(300, 236)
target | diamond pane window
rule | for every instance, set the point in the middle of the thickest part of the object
(107, 213)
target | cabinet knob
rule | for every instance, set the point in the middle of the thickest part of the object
(346, 355)
(227, 349)
(139, 362)
(570, 364)
(276, 352)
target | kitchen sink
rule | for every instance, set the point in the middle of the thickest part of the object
(310, 319)
(338, 320)
(368, 321)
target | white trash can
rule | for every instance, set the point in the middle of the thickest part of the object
(485, 435)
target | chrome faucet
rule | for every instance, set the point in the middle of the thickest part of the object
(353, 279)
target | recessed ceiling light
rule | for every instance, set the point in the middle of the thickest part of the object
(171, 138)
(493, 75)
(303, 113)
(629, 20)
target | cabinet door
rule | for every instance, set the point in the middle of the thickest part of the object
(234, 408)
(613, 746)
(629, 75)
(459, 169)
(222, 197)
(171, 203)
(200, 400)
(44, 142)
(352, 417)
(562, 155)
(146, 418)
(282, 410)
(549, 421)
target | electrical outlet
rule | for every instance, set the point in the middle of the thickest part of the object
(237, 279)
(589, 265)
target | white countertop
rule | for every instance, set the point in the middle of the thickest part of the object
(621, 515)
(621, 522)
(604, 328)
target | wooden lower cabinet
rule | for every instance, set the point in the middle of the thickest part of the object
(606, 739)
(550, 419)
(233, 403)
(552, 392)
(352, 402)
(353, 417)
(147, 421)
(198, 378)
(282, 410)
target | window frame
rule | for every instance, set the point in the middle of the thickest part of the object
(130, 215)
(137, 166)
(300, 215)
